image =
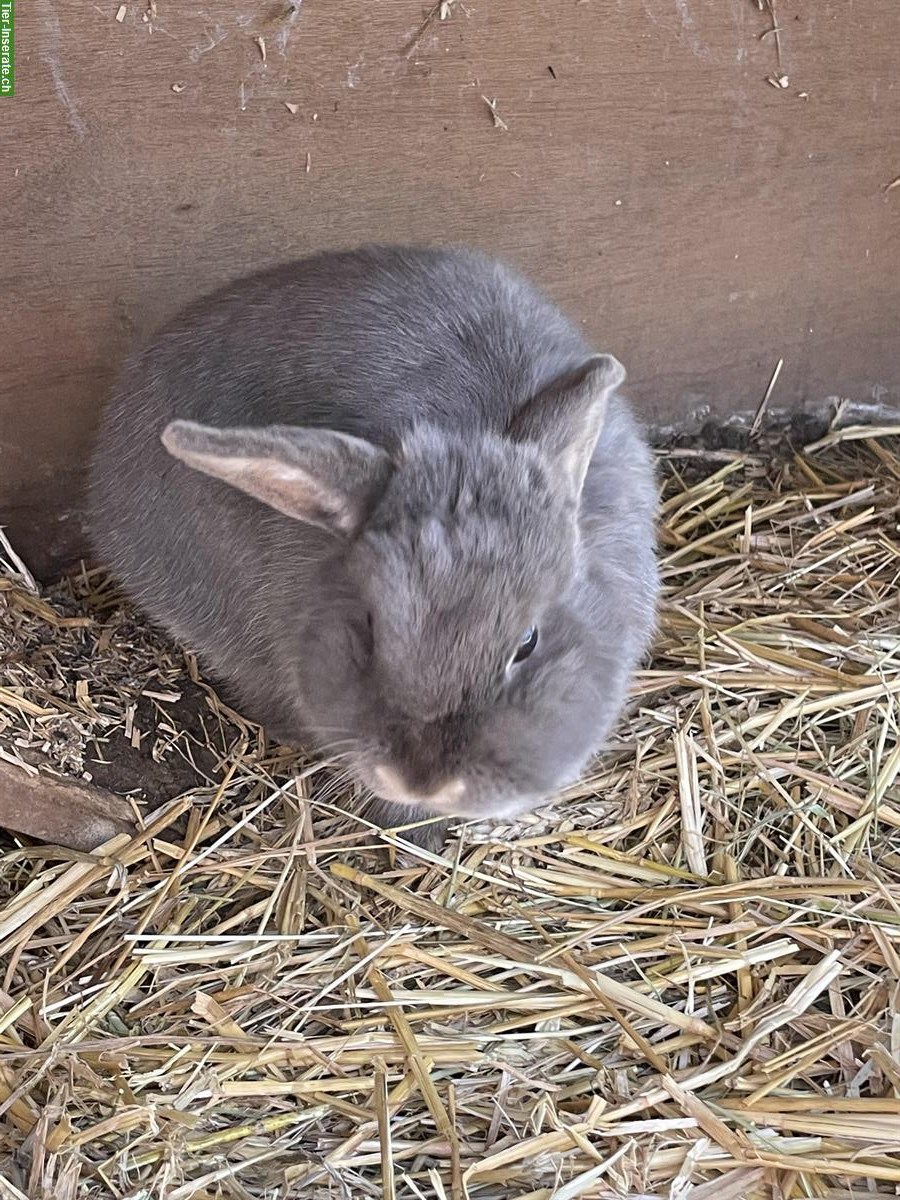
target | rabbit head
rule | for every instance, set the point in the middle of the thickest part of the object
(437, 628)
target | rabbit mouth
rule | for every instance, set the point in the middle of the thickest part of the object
(446, 800)
(456, 798)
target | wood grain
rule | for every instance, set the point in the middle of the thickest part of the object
(701, 222)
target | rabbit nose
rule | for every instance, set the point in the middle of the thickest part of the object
(445, 799)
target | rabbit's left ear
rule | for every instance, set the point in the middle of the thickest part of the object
(566, 418)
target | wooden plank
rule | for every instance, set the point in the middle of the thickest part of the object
(60, 811)
(701, 222)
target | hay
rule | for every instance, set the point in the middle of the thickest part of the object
(682, 983)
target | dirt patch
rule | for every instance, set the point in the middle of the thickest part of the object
(170, 748)
(92, 692)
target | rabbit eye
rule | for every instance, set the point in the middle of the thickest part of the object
(526, 645)
(366, 639)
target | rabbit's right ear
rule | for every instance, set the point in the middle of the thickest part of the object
(315, 475)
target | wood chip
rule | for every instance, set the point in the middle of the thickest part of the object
(499, 123)
(60, 811)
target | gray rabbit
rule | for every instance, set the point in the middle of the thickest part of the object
(393, 499)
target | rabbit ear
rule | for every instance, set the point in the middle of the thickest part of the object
(565, 419)
(315, 475)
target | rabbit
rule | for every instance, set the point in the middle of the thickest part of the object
(393, 499)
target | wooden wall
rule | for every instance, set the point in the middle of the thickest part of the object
(702, 222)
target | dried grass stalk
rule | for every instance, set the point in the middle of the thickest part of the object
(680, 983)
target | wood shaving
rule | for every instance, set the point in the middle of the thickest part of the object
(499, 123)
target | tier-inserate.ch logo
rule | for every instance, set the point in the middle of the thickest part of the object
(7, 49)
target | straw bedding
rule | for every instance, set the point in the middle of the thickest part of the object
(682, 982)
